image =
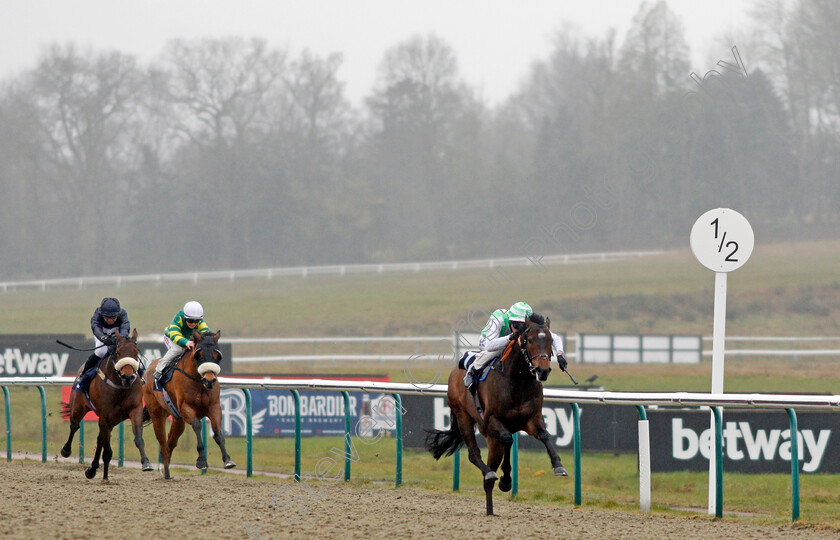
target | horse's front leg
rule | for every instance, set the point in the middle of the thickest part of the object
(215, 416)
(503, 440)
(536, 428)
(90, 472)
(137, 428)
(195, 422)
(107, 453)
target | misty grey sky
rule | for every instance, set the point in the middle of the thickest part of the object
(495, 40)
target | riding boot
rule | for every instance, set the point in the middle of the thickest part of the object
(91, 362)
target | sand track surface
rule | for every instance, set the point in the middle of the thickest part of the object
(54, 500)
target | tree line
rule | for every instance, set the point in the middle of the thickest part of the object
(228, 153)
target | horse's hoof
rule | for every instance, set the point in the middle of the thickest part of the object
(146, 466)
(65, 452)
(560, 471)
(229, 464)
(491, 476)
(201, 465)
(505, 484)
(90, 472)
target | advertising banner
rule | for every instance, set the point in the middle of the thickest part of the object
(753, 441)
(38, 355)
(603, 428)
(321, 412)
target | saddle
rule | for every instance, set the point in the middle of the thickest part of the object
(468, 360)
(166, 374)
(82, 385)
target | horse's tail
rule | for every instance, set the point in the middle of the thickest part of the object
(65, 410)
(440, 442)
(147, 418)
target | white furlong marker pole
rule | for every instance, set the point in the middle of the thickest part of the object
(722, 240)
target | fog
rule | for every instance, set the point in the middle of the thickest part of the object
(230, 153)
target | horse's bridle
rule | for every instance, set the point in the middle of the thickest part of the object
(195, 352)
(113, 359)
(523, 346)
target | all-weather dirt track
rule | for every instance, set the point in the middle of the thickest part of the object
(54, 500)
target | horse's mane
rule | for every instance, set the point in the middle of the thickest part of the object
(536, 318)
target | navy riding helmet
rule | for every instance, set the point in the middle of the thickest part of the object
(110, 307)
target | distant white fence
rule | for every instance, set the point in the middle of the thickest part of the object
(658, 349)
(333, 270)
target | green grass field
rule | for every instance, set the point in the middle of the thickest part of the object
(785, 289)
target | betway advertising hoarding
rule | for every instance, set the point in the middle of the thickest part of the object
(753, 441)
(38, 355)
(603, 427)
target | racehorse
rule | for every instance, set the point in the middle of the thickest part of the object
(115, 395)
(193, 392)
(511, 398)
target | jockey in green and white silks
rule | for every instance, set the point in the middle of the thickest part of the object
(499, 331)
(178, 335)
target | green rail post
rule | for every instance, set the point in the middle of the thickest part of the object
(121, 453)
(456, 471)
(82, 441)
(576, 415)
(249, 435)
(718, 462)
(204, 439)
(514, 465)
(43, 424)
(398, 403)
(347, 460)
(8, 425)
(296, 395)
(794, 464)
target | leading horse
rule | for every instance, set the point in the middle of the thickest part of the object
(193, 393)
(511, 397)
(115, 395)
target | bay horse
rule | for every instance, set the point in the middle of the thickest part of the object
(194, 393)
(115, 395)
(511, 397)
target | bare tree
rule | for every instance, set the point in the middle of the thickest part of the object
(217, 92)
(83, 107)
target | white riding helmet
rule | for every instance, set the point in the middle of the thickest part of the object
(193, 310)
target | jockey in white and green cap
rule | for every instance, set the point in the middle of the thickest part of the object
(501, 328)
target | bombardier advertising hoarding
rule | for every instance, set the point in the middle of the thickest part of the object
(753, 441)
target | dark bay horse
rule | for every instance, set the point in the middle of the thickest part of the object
(116, 395)
(511, 398)
(194, 393)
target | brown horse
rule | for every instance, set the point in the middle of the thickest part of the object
(511, 398)
(116, 394)
(194, 393)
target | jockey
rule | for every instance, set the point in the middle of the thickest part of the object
(502, 327)
(108, 320)
(177, 336)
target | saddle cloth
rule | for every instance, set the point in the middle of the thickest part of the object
(469, 359)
